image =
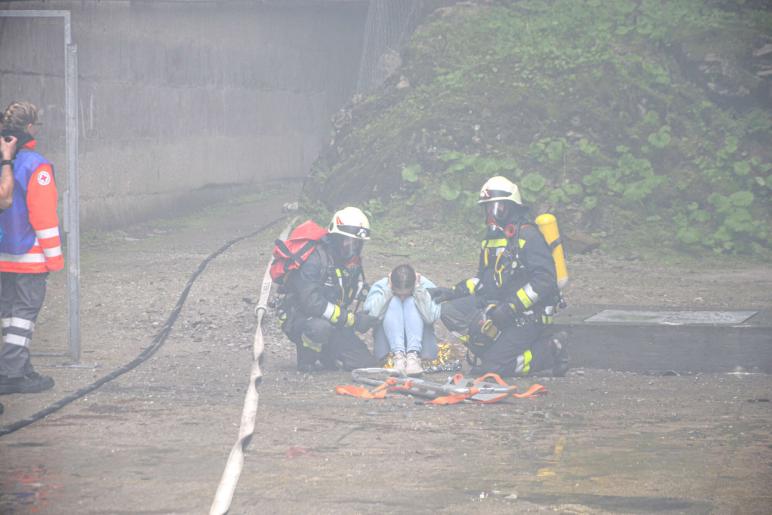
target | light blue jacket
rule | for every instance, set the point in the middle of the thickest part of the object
(380, 295)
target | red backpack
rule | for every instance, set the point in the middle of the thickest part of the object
(290, 254)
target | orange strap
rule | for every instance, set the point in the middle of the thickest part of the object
(390, 385)
(449, 399)
(493, 376)
(361, 392)
(535, 389)
(454, 398)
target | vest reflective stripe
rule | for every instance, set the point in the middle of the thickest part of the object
(23, 258)
(52, 252)
(5, 322)
(332, 312)
(524, 300)
(523, 365)
(47, 233)
(528, 289)
(15, 339)
(21, 323)
(494, 244)
(309, 343)
(499, 244)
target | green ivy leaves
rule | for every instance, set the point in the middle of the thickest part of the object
(741, 198)
(449, 191)
(661, 138)
(533, 182)
(411, 173)
(742, 168)
(552, 149)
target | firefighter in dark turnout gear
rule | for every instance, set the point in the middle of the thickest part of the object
(500, 314)
(322, 297)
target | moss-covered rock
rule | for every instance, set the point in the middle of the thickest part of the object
(600, 110)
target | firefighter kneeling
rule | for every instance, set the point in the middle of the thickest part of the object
(318, 315)
(501, 313)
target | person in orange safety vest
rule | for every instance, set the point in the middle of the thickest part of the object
(30, 248)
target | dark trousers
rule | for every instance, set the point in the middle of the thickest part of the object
(519, 350)
(21, 297)
(317, 339)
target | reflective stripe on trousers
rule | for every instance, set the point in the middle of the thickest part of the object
(21, 297)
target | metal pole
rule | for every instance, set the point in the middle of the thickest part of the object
(71, 196)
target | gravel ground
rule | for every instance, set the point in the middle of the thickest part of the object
(155, 440)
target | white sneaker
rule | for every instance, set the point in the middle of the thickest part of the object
(399, 363)
(413, 366)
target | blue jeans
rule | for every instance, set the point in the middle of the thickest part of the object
(403, 330)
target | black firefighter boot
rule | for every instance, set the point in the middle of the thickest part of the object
(559, 348)
(307, 358)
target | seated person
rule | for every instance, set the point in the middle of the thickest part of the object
(401, 301)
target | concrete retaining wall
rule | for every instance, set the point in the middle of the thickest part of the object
(182, 96)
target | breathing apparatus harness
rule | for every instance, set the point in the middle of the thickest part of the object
(504, 269)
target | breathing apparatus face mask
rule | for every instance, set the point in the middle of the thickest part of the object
(498, 213)
(348, 248)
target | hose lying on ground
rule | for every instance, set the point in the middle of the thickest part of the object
(156, 344)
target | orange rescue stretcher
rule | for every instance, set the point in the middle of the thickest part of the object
(485, 389)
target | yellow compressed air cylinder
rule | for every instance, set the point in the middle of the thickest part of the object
(548, 225)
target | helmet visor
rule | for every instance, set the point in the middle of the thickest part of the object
(349, 247)
(362, 233)
(498, 212)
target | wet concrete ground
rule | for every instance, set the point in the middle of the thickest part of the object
(156, 439)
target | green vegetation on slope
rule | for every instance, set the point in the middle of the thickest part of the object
(595, 108)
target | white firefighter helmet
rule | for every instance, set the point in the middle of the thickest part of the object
(500, 199)
(351, 222)
(499, 188)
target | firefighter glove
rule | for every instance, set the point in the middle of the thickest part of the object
(345, 319)
(365, 322)
(440, 295)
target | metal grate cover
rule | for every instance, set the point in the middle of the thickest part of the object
(621, 316)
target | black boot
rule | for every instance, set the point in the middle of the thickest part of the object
(307, 359)
(559, 347)
(31, 383)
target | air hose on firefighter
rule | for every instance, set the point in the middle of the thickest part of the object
(156, 344)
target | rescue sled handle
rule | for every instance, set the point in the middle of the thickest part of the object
(429, 389)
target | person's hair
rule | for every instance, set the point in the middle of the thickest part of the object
(18, 115)
(403, 278)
